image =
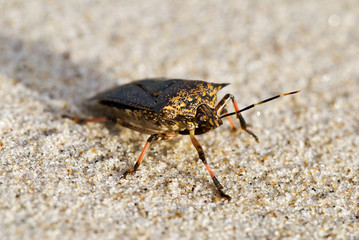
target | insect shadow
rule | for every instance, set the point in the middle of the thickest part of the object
(49, 74)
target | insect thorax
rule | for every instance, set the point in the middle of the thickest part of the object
(185, 102)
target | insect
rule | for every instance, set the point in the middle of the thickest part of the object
(165, 108)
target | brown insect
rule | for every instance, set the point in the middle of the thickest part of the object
(165, 108)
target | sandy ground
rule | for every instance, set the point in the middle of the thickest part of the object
(61, 180)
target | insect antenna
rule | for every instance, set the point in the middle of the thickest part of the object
(258, 103)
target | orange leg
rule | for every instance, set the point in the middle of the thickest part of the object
(220, 108)
(229, 119)
(140, 158)
(203, 158)
(154, 137)
(87, 120)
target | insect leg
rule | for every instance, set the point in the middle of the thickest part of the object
(154, 137)
(87, 120)
(203, 158)
(140, 158)
(220, 106)
(229, 119)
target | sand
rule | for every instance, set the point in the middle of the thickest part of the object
(61, 180)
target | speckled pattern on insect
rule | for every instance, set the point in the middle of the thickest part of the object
(165, 108)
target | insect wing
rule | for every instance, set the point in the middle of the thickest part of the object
(156, 86)
(127, 96)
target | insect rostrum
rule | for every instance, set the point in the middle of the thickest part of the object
(165, 108)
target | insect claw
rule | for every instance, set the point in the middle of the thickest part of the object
(131, 170)
(227, 197)
(252, 134)
(68, 116)
(234, 129)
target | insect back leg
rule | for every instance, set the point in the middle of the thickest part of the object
(153, 137)
(221, 107)
(203, 158)
(87, 120)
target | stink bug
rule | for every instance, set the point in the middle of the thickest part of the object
(165, 108)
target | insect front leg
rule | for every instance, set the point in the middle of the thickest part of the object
(154, 137)
(229, 119)
(221, 107)
(203, 158)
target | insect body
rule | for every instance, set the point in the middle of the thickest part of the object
(165, 108)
